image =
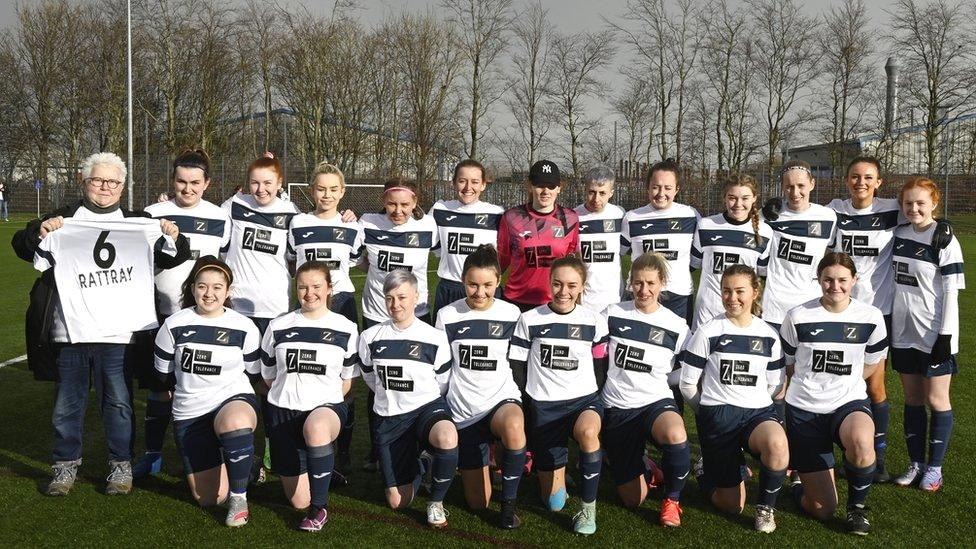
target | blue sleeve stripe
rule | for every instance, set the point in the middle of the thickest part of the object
(351, 361)
(48, 256)
(691, 359)
(519, 342)
(950, 269)
(788, 349)
(443, 368)
(877, 347)
(252, 356)
(696, 253)
(163, 354)
(776, 365)
(367, 368)
(267, 359)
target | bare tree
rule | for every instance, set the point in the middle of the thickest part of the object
(845, 58)
(387, 99)
(576, 60)
(785, 50)
(260, 43)
(531, 78)
(216, 76)
(935, 43)
(482, 32)
(636, 107)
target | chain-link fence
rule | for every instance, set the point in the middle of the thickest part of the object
(152, 177)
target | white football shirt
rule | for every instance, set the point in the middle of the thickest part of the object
(559, 349)
(922, 277)
(390, 247)
(668, 232)
(210, 358)
(207, 227)
(600, 251)
(461, 229)
(644, 349)
(330, 241)
(481, 376)
(867, 235)
(405, 368)
(309, 359)
(829, 351)
(738, 364)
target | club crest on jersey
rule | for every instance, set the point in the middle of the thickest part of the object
(414, 351)
(814, 229)
(494, 329)
(851, 333)
(608, 225)
(674, 225)
(876, 221)
(280, 220)
(558, 232)
(413, 239)
(200, 225)
(574, 332)
(338, 234)
(656, 336)
(223, 336)
(328, 336)
(750, 241)
(755, 345)
(481, 219)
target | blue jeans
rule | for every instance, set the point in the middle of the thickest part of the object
(3, 210)
(103, 363)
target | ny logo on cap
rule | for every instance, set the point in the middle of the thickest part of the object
(546, 168)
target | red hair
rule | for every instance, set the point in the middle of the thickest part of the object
(266, 161)
(923, 183)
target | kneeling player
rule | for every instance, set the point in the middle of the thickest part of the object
(407, 364)
(564, 344)
(832, 344)
(309, 362)
(207, 352)
(484, 399)
(645, 341)
(741, 361)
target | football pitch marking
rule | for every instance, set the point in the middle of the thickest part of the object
(19, 359)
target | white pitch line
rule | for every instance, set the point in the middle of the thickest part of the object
(21, 358)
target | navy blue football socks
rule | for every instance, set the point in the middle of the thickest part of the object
(940, 429)
(513, 462)
(590, 464)
(859, 480)
(320, 461)
(915, 432)
(675, 464)
(443, 466)
(770, 483)
(882, 417)
(238, 454)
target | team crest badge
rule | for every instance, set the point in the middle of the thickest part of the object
(814, 229)
(339, 234)
(558, 232)
(328, 336)
(608, 226)
(851, 332)
(280, 220)
(494, 329)
(656, 337)
(200, 225)
(413, 239)
(575, 332)
(756, 346)
(223, 336)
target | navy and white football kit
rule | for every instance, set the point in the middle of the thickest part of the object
(600, 251)
(867, 235)
(461, 228)
(335, 243)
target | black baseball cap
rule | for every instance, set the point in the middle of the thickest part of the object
(544, 173)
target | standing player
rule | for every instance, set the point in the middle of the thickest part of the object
(462, 225)
(925, 331)
(207, 228)
(560, 350)
(310, 359)
(645, 341)
(740, 360)
(533, 235)
(802, 234)
(407, 363)
(599, 237)
(401, 238)
(484, 399)
(735, 236)
(666, 227)
(832, 344)
(207, 353)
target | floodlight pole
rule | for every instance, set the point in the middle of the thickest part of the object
(128, 75)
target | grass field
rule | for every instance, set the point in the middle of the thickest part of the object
(160, 511)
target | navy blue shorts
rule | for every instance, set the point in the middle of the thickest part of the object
(344, 303)
(626, 433)
(285, 430)
(198, 443)
(724, 432)
(400, 438)
(552, 425)
(475, 439)
(812, 436)
(913, 361)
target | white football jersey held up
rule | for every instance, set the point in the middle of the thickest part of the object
(599, 237)
(829, 351)
(207, 227)
(392, 247)
(867, 235)
(668, 232)
(330, 241)
(720, 243)
(644, 349)
(481, 376)
(923, 276)
(405, 368)
(104, 273)
(257, 255)
(800, 240)
(210, 358)
(308, 359)
(461, 229)
(559, 349)
(739, 364)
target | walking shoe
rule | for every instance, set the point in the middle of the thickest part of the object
(857, 520)
(426, 471)
(670, 513)
(654, 476)
(557, 501)
(150, 464)
(932, 479)
(584, 522)
(436, 515)
(765, 519)
(911, 476)
(237, 513)
(314, 520)
(119, 478)
(63, 477)
(509, 519)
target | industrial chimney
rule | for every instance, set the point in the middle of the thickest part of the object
(891, 97)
